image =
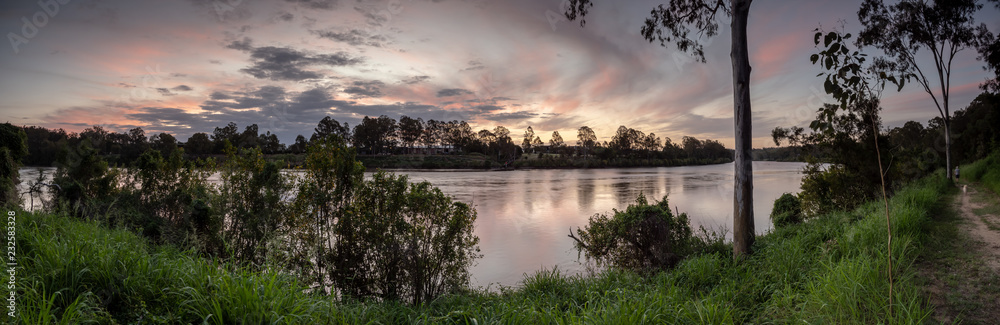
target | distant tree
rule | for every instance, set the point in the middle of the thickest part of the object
(624, 140)
(376, 135)
(692, 147)
(164, 143)
(328, 126)
(198, 144)
(537, 142)
(220, 135)
(433, 133)
(676, 19)
(557, 140)
(300, 145)
(503, 146)
(410, 130)
(944, 28)
(459, 134)
(136, 144)
(586, 138)
(249, 138)
(269, 143)
(528, 141)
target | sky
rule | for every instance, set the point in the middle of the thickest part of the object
(187, 66)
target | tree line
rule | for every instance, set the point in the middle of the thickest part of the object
(381, 135)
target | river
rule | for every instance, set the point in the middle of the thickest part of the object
(525, 215)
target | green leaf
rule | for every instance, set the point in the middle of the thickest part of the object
(829, 63)
(816, 38)
(847, 36)
(835, 48)
(813, 58)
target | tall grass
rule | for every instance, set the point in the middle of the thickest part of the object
(828, 269)
(986, 171)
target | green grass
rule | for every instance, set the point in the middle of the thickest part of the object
(829, 269)
(986, 171)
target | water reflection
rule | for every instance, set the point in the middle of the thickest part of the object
(524, 215)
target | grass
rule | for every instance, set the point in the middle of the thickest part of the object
(985, 171)
(829, 269)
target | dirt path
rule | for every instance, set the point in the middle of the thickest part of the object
(961, 265)
(982, 225)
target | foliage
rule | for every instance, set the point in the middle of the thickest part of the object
(645, 237)
(250, 199)
(986, 171)
(13, 148)
(787, 211)
(330, 177)
(84, 184)
(403, 241)
(169, 200)
(904, 28)
(846, 134)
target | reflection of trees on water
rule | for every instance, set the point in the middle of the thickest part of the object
(627, 189)
(585, 192)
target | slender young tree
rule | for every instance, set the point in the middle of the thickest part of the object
(674, 23)
(943, 28)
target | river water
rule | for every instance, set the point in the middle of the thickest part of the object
(524, 216)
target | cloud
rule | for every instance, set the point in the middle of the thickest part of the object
(453, 92)
(164, 91)
(315, 4)
(352, 36)
(181, 88)
(365, 89)
(415, 80)
(285, 63)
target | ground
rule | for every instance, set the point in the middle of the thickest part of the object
(960, 265)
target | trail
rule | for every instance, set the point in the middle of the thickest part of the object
(977, 225)
(961, 266)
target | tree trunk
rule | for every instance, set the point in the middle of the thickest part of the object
(743, 229)
(947, 149)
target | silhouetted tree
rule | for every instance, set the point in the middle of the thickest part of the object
(410, 130)
(586, 138)
(328, 126)
(942, 27)
(198, 144)
(557, 140)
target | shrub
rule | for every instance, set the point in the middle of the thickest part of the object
(384, 238)
(85, 185)
(13, 147)
(250, 198)
(787, 210)
(645, 237)
(405, 241)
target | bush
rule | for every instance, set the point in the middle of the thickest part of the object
(787, 210)
(644, 237)
(250, 198)
(384, 238)
(13, 147)
(404, 241)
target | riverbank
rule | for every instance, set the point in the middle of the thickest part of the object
(830, 269)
